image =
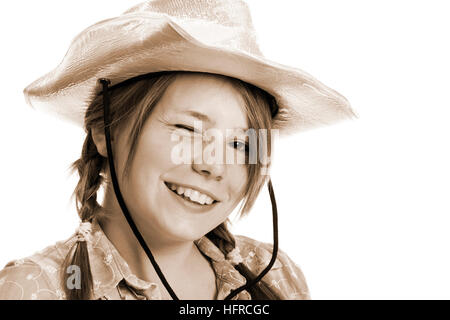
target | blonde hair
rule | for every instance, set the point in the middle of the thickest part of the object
(144, 93)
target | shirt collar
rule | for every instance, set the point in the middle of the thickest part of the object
(108, 268)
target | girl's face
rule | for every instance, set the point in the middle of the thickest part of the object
(163, 194)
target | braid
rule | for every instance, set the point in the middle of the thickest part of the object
(89, 167)
(226, 242)
(222, 238)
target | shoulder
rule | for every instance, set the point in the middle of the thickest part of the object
(285, 276)
(36, 277)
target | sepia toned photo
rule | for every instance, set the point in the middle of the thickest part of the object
(179, 150)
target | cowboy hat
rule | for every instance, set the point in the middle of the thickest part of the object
(213, 36)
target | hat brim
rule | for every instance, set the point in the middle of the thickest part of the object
(131, 45)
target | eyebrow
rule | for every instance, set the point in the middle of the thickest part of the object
(198, 115)
(204, 117)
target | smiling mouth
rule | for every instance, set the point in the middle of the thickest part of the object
(191, 195)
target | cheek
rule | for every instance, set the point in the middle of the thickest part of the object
(238, 177)
(154, 152)
(151, 161)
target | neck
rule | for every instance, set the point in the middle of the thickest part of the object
(120, 234)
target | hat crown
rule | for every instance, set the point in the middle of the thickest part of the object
(211, 36)
(215, 22)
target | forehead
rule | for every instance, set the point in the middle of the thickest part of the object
(205, 94)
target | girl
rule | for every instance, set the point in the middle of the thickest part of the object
(178, 106)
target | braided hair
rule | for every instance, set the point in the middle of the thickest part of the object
(224, 240)
(89, 167)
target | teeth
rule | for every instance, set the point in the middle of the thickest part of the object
(202, 199)
(193, 195)
(180, 190)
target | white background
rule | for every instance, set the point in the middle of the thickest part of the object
(364, 205)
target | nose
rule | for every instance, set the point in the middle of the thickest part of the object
(209, 168)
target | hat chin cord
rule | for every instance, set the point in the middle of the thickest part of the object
(106, 102)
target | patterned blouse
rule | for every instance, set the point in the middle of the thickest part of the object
(38, 276)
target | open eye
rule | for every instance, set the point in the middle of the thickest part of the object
(240, 146)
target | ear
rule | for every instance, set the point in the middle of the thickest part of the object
(100, 141)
